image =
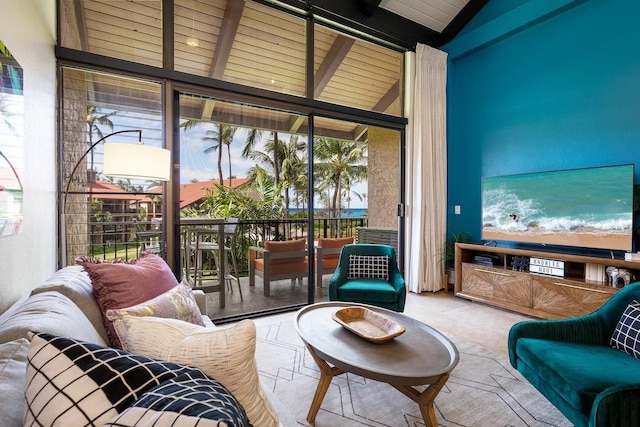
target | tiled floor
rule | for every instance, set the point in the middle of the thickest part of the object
(473, 321)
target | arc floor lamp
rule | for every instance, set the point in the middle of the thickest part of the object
(137, 161)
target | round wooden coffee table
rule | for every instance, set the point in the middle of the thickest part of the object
(420, 356)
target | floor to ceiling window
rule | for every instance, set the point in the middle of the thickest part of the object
(260, 127)
(100, 212)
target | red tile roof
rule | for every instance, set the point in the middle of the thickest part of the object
(106, 190)
(189, 193)
(194, 191)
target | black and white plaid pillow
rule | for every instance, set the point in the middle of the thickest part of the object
(73, 383)
(189, 400)
(369, 267)
(626, 336)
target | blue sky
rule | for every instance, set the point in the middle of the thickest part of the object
(194, 163)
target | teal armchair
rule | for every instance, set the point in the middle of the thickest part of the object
(571, 362)
(390, 293)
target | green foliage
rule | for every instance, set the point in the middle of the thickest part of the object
(449, 253)
(103, 216)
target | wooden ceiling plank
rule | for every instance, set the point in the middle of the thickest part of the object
(332, 61)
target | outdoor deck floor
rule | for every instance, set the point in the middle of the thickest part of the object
(283, 294)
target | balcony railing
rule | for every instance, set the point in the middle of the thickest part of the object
(118, 240)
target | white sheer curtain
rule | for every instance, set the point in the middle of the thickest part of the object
(426, 172)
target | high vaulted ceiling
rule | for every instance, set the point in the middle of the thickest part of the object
(260, 47)
(404, 22)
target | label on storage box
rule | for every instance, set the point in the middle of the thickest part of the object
(551, 267)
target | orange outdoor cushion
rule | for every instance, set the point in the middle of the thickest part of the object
(289, 267)
(331, 243)
(329, 262)
(286, 246)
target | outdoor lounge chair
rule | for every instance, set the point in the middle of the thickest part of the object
(327, 255)
(278, 261)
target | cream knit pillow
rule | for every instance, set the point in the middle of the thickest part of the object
(225, 354)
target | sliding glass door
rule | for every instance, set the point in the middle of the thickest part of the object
(247, 164)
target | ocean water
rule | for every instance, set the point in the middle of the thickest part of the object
(596, 199)
(344, 213)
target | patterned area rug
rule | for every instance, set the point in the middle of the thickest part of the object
(483, 389)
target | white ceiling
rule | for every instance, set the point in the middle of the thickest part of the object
(434, 14)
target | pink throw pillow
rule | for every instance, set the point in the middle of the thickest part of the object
(120, 285)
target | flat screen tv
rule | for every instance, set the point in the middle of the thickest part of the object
(589, 208)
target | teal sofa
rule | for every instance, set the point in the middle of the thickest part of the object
(571, 362)
(390, 294)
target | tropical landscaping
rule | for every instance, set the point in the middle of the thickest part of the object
(272, 202)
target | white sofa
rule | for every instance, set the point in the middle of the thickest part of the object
(62, 306)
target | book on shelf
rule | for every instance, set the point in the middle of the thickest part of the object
(595, 273)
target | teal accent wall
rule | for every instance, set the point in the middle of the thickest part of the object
(543, 85)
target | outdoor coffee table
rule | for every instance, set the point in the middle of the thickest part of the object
(420, 356)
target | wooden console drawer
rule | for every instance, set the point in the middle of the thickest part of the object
(564, 298)
(497, 284)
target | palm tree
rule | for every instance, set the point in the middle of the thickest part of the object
(227, 140)
(291, 169)
(218, 137)
(338, 163)
(254, 136)
(95, 118)
(223, 135)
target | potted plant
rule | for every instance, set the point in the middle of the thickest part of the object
(449, 254)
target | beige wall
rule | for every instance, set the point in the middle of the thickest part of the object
(27, 27)
(384, 177)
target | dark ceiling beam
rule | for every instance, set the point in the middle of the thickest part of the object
(461, 19)
(81, 23)
(230, 23)
(228, 31)
(338, 51)
(369, 6)
(387, 99)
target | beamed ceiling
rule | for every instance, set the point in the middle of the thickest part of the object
(257, 46)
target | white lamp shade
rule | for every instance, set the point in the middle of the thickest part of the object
(137, 161)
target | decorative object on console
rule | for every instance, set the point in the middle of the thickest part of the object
(618, 277)
(520, 263)
(550, 267)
